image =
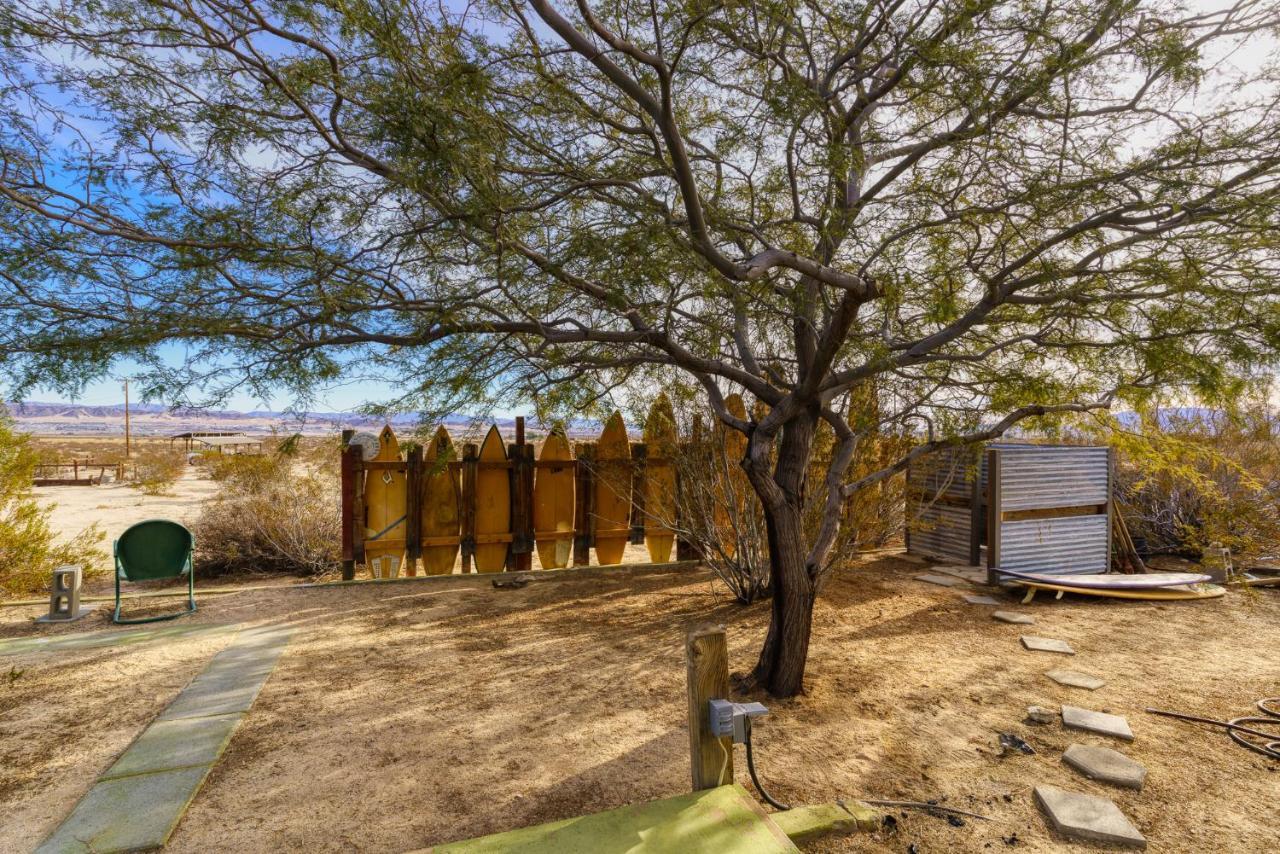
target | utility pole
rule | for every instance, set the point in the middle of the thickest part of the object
(126, 419)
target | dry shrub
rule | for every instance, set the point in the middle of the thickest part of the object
(720, 513)
(28, 550)
(156, 468)
(1188, 479)
(272, 516)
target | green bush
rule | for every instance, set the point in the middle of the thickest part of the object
(156, 468)
(28, 550)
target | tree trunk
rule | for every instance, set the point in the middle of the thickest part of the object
(780, 669)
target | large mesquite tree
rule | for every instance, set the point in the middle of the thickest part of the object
(981, 211)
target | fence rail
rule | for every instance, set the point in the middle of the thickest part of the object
(53, 474)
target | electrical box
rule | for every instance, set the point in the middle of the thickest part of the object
(727, 718)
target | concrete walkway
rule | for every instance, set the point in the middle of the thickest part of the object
(109, 637)
(139, 800)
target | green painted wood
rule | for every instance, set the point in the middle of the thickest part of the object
(714, 821)
(803, 824)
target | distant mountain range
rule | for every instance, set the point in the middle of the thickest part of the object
(74, 419)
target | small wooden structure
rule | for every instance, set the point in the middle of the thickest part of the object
(227, 442)
(82, 473)
(1017, 506)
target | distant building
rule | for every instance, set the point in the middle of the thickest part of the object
(223, 443)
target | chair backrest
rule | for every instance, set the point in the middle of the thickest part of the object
(156, 548)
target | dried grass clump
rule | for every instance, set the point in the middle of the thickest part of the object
(156, 468)
(28, 549)
(272, 516)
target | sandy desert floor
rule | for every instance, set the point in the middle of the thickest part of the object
(411, 714)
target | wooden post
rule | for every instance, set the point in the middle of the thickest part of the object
(126, 419)
(348, 508)
(995, 512)
(520, 556)
(413, 510)
(707, 656)
(977, 520)
(639, 471)
(359, 519)
(470, 464)
(582, 503)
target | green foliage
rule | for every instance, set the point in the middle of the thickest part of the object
(1189, 479)
(29, 549)
(156, 468)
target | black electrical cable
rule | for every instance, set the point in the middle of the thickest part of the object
(751, 767)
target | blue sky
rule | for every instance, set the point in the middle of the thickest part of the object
(343, 397)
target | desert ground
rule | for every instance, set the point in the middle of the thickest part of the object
(404, 715)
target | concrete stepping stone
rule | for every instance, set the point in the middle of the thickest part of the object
(1102, 723)
(1040, 644)
(1105, 765)
(1013, 617)
(1076, 679)
(107, 638)
(139, 800)
(980, 600)
(1088, 817)
(944, 580)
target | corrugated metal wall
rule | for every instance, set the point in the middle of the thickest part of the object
(939, 512)
(1034, 480)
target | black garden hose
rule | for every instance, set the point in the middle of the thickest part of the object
(1270, 744)
(751, 767)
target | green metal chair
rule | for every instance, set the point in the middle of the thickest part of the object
(154, 549)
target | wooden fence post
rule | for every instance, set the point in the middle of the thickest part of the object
(413, 509)
(470, 461)
(639, 473)
(583, 504)
(707, 656)
(520, 557)
(995, 515)
(348, 512)
(348, 470)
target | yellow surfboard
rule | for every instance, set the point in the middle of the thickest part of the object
(1159, 594)
(441, 497)
(493, 506)
(660, 480)
(613, 492)
(553, 493)
(385, 503)
(734, 486)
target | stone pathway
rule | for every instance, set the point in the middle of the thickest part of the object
(1105, 765)
(1039, 644)
(92, 640)
(944, 580)
(139, 800)
(1076, 679)
(1087, 817)
(1102, 723)
(980, 599)
(1013, 617)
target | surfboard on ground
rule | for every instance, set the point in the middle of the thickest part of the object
(441, 504)
(1110, 581)
(1182, 593)
(385, 503)
(493, 505)
(613, 493)
(660, 480)
(553, 502)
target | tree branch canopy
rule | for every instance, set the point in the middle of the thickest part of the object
(987, 210)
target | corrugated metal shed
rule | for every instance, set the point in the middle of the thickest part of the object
(1049, 509)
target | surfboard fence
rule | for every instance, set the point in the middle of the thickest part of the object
(447, 494)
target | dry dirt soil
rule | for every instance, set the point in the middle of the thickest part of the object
(409, 714)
